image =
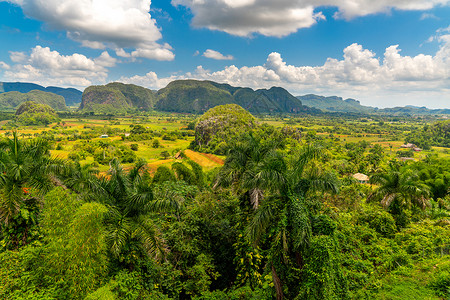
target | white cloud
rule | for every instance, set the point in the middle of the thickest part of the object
(4, 65)
(360, 74)
(157, 52)
(149, 80)
(425, 16)
(216, 55)
(48, 67)
(105, 60)
(17, 57)
(103, 23)
(122, 53)
(283, 17)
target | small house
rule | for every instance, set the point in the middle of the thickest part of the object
(409, 145)
(362, 178)
(104, 136)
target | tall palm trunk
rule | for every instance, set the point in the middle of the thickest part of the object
(277, 283)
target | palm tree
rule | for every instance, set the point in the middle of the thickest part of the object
(287, 213)
(398, 190)
(129, 200)
(252, 167)
(25, 167)
(277, 190)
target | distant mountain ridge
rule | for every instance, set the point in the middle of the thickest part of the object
(338, 104)
(335, 104)
(71, 96)
(12, 100)
(190, 96)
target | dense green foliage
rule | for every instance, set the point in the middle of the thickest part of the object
(220, 125)
(281, 218)
(12, 100)
(437, 134)
(32, 113)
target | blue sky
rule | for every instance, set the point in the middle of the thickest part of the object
(383, 53)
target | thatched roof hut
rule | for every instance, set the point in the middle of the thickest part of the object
(362, 178)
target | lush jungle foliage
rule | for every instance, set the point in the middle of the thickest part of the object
(282, 218)
(32, 113)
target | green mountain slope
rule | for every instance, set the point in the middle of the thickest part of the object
(71, 96)
(11, 100)
(136, 96)
(116, 98)
(191, 96)
(195, 96)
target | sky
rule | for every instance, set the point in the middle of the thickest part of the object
(384, 53)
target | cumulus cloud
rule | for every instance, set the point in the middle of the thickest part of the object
(149, 80)
(4, 65)
(100, 24)
(48, 67)
(358, 74)
(216, 55)
(283, 17)
(17, 57)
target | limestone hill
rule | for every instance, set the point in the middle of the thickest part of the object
(220, 125)
(195, 96)
(116, 98)
(12, 100)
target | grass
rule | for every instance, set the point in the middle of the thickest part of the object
(207, 161)
(413, 283)
(170, 122)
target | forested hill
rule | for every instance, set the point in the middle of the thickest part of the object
(338, 104)
(116, 97)
(198, 96)
(71, 96)
(10, 101)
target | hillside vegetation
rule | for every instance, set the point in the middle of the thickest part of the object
(71, 96)
(220, 125)
(32, 113)
(116, 98)
(195, 96)
(12, 100)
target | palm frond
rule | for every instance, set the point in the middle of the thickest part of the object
(261, 220)
(301, 224)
